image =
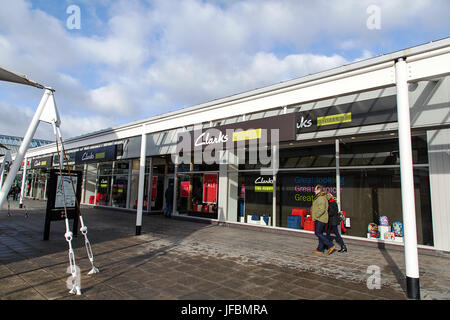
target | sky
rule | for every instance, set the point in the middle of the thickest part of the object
(112, 62)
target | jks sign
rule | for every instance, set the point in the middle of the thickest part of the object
(361, 113)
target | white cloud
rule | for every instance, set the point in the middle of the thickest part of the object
(111, 99)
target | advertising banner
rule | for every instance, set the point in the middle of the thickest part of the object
(154, 187)
(184, 189)
(210, 188)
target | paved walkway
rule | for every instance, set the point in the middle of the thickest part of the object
(177, 259)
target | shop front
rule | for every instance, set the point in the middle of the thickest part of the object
(38, 177)
(262, 153)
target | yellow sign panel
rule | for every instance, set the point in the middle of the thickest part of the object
(334, 119)
(263, 188)
(247, 135)
(100, 155)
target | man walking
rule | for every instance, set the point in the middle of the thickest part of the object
(320, 218)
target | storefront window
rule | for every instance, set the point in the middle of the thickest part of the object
(197, 194)
(90, 183)
(134, 184)
(368, 194)
(119, 191)
(255, 195)
(307, 157)
(380, 152)
(103, 190)
(297, 191)
(103, 195)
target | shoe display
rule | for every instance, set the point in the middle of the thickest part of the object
(332, 249)
(318, 252)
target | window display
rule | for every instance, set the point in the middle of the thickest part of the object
(197, 194)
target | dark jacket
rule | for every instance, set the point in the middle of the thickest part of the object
(333, 217)
(169, 193)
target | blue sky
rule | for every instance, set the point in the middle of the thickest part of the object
(133, 59)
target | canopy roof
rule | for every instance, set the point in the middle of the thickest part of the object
(6, 75)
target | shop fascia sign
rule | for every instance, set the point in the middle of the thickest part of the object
(205, 139)
(245, 131)
(96, 155)
(41, 163)
(355, 114)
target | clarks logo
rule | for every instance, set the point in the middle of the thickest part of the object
(261, 180)
(204, 139)
(88, 156)
(304, 123)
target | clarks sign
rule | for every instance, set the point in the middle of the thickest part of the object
(205, 139)
(96, 155)
(243, 131)
(41, 163)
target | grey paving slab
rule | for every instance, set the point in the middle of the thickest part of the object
(178, 259)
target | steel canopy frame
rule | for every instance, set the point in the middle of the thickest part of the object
(46, 112)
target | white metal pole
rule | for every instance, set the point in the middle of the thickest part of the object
(407, 182)
(175, 186)
(141, 182)
(338, 176)
(24, 179)
(274, 185)
(1, 175)
(23, 147)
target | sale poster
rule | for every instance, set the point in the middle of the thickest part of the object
(184, 189)
(210, 187)
(154, 187)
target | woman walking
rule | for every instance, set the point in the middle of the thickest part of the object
(333, 222)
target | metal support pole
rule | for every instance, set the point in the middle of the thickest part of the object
(24, 147)
(407, 182)
(24, 178)
(338, 176)
(175, 186)
(274, 191)
(141, 182)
